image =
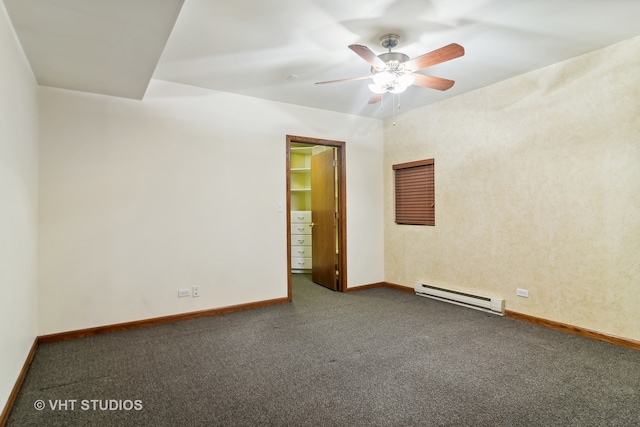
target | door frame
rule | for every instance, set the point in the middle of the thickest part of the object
(342, 207)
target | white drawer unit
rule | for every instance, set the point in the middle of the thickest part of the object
(303, 217)
(298, 264)
(300, 228)
(301, 251)
(300, 241)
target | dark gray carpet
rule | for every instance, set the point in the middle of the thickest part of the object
(373, 358)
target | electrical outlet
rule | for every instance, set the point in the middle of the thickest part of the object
(183, 293)
(195, 291)
(522, 293)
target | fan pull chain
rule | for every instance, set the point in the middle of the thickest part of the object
(393, 109)
(393, 104)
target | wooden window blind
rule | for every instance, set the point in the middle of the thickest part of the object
(415, 193)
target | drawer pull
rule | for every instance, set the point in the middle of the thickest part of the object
(300, 240)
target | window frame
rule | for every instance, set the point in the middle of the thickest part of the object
(414, 192)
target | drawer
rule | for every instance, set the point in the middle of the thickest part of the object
(301, 216)
(301, 251)
(300, 263)
(298, 228)
(301, 240)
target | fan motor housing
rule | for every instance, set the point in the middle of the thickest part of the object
(393, 60)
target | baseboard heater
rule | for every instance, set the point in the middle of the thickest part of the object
(490, 305)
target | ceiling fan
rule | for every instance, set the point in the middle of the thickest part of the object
(394, 71)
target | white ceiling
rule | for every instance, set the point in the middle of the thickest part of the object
(278, 49)
(110, 47)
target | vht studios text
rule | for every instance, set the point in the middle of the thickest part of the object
(89, 405)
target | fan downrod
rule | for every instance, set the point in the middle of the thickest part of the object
(392, 59)
(389, 41)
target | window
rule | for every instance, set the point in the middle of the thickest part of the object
(415, 193)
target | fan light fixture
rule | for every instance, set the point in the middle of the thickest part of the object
(394, 72)
(391, 81)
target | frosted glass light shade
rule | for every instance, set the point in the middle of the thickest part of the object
(396, 81)
(406, 79)
(378, 88)
(397, 88)
(383, 78)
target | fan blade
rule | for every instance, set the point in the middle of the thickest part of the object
(366, 54)
(375, 98)
(437, 56)
(432, 82)
(352, 79)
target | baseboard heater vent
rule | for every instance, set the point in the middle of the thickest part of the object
(490, 305)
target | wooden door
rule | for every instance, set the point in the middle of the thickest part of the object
(323, 218)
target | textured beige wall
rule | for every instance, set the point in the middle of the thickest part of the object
(537, 187)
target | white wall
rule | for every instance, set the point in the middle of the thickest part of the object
(537, 187)
(141, 198)
(18, 208)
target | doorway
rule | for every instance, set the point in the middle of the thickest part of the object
(316, 211)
